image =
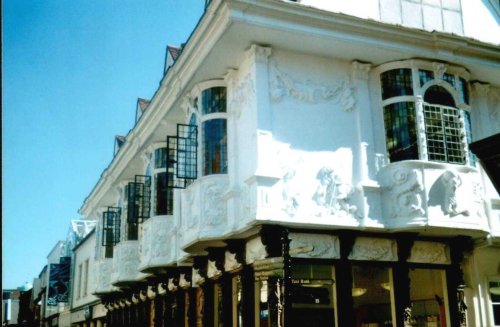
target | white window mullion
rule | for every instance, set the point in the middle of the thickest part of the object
(421, 136)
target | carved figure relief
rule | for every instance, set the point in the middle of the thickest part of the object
(212, 270)
(405, 189)
(255, 250)
(332, 194)
(214, 207)
(313, 246)
(452, 182)
(197, 279)
(282, 85)
(230, 262)
(183, 283)
(439, 69)
(289, 194)
(378, 249)
(429, 252)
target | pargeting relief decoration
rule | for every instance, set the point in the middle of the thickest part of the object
(439, 69)
(183, 283)
(332, 194)
(230, 262)
(128, 260)
(105, 270)
(191, 209)
(406, 195)
(242, 93)
(214, 206)
(314, 246)
(248, 203)
(255, 250)
(429, 252)
(290, 194)
(494, 106)
(452, 182)
(282, 85)
(376, 249)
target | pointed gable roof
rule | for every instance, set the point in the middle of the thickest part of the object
(142, 105)
(173, 52)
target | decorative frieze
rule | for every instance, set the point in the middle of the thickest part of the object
(429, 252)
(284, 86)
(314, 246)
(374, 249)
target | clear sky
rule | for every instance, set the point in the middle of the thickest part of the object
(72, 73)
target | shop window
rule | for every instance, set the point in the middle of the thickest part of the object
(373, 299)
(312, 295)
(494, 290)
(427, 295)
(445, 121)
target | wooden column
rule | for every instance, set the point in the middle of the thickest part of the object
(455, 281)
(402, 281)
(343, 284)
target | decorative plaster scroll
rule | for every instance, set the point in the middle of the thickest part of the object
(241, 92)
(332, 194)
(374, 249)
(255, 250)
(214, 206)
(290, 194)
(314, 246)
(429, 252)
(282, 85)
(191, 210)
(439, 69)
(405, 191)
(127, 260)
(230, 262)
(360, 70)
(212, 270)
(452, 181)
(197, 279)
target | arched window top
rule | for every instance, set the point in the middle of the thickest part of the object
(437, 94)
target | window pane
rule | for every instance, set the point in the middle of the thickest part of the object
(444, 134)
(396, 82)
(164, 203)
(463, 90)
(161, 158)
(439, 95)
(400, 128)
(214, 100)
(372, 295)
(312, 295)
(425, 76)
(214, 147)
(427, 294)
(449, 78)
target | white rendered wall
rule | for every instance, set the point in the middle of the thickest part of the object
(84, 252)
(471, 18)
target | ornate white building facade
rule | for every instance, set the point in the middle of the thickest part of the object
(305, 163)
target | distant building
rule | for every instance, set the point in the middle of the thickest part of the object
(10, 307)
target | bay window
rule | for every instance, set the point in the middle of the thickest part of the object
(426, 113)
(163, 196)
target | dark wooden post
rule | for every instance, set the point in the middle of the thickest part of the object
(455, 280)
(401, 280)
(343, 272)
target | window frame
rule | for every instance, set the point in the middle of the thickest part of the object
(457, 92)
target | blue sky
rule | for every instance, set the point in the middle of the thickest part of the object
(72, 73)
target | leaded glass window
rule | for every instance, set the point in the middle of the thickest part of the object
(425, 76)
(214, 147)
(401, 133)
(396, 82)
(463, 90)
(164, 196)
(213, 100)
(161, 158)
(444, 134)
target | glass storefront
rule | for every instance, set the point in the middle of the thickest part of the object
(373, 299)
